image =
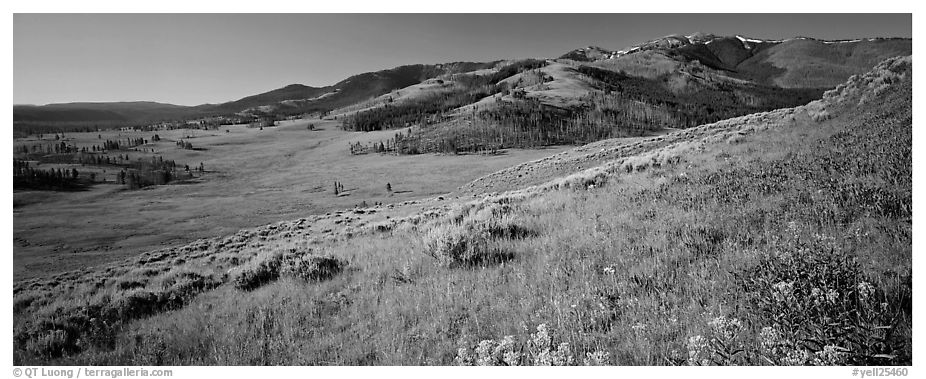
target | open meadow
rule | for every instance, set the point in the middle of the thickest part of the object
(251, 177)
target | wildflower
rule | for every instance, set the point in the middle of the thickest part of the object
(610, 270)
(638, 327)
(464, 357)
(728, 328)
(817, 295)
(484, 350)
(865, 290)
(832, 296)
(783, 291)
(697, 349)
(512, 358)
(562, 356)
(797, 357)
(598, 358)
(770, 338)
(505, 350)
(829, 356)
(542, 338)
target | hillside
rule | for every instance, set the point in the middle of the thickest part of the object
(777, 238)
(795, 62)
(291, 99)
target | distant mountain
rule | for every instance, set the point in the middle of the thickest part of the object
(799, 62)
(295, 99)
(117, 111)
(587, 54)
(291, 99)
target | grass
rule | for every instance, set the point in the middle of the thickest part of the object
(791, 244)
(253, 178)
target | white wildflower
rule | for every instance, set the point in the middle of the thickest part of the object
(770, 338)
(865, 290)
(562, 356)
(598, 358)
(728, 328)
(506, 351)
(484, 350)
(817, 295)
(698, 351)
(783, 292)
(829, 356)
(796, 357)
(464, 357)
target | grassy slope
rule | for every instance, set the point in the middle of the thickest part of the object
(637, 260)
(811, 63)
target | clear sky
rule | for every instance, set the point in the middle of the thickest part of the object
(191, 59)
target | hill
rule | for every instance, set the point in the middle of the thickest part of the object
(781, 238)
(795, 62)
(118, 111)
(291, 99)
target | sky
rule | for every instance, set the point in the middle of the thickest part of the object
(192, 59)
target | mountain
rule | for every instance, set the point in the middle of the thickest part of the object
(117, 111)
(789, 63)
(291, 99)
(588, 54)
(666, 75)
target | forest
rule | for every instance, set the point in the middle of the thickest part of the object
(133, 174)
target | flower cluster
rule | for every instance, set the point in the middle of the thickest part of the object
(597, 358)
(539, 350)
(699, 351)
(783, 292)
(865, 290)
(726, 328)
(546, 353)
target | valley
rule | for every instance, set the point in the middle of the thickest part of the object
(689, 200)
(252, 177)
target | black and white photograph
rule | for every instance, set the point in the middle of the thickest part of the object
(461, 189)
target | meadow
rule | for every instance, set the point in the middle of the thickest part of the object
(778, 242)
(251, 177)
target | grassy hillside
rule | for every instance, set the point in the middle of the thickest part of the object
(780, 238)
(792, 63)
(536, 103)
(812, 63)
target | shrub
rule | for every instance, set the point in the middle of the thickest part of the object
(314, 268)
(470, 240)
(256, 274)
(452, 244)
